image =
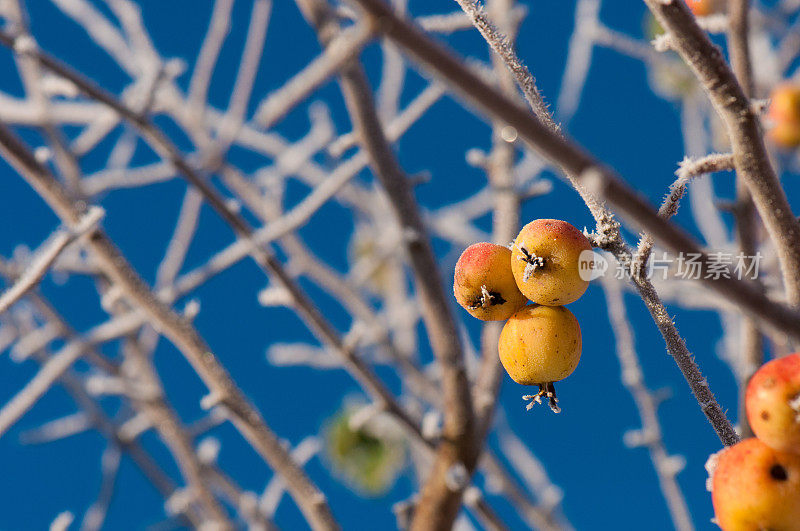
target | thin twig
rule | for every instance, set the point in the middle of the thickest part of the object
(218, 29)
(501, 45)
(46, 255)
(51, 371)
(109, 465)
(687, 171)
(248, 68)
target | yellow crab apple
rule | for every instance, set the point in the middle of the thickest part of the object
(545, 259)
(772, 402)
(484, 284)
(755, 487)
(540, 345)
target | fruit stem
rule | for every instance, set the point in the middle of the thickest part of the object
(546, 389)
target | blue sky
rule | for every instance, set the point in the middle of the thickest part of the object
(605, 484)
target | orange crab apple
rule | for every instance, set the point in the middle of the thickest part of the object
(772, 402)
(756, 487)
(785, 134)
(545, 259)
(704, 8)
(484, 284)
(784, 115)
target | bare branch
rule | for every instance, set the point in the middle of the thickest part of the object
(747, 221)
(500, 44)
(51, 371)
(96, 513)
(581, 46)
(218, 29)
(243, 86)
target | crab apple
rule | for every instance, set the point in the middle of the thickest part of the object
(484, 284)
(545, 259)
(703, 8)
(784, 114)
(756, 487)
(784, 102)
(785, 134)
(540, 344)
(772, 402)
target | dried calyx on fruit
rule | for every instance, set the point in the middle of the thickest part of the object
(545, 260)
(755, 486)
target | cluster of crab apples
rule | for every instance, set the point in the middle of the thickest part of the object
(756, 482)
(541, 342)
